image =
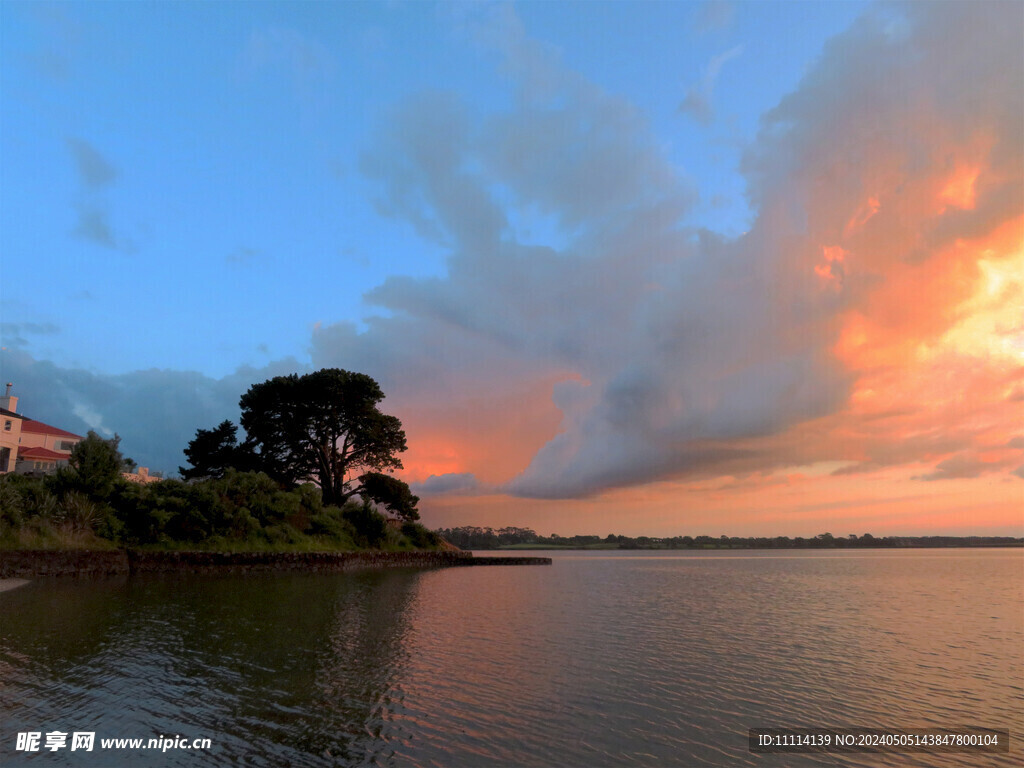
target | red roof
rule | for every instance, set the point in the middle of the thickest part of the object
(39, 428)
(40, 454)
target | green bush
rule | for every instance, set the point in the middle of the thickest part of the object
(80, 512)
(420, 537)
(141, 522)
(243, 526)
(23, 498)
(370, 526)
(12, 511)
(282, 534)
(240, 510)
(329, 523)
(254, 490)
(93, 469)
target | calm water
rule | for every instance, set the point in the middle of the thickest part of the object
(601, 659)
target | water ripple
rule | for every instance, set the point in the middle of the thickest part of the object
(597, 661)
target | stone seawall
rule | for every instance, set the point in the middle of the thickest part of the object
(26, 564)
(238, 562)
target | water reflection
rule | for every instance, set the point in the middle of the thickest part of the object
(280, 669)
(598, 660)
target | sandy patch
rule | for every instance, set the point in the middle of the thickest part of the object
(6, 584)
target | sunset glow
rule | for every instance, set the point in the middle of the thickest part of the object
(698, 295)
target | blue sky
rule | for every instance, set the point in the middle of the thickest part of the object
(646, 266)
(182, 182)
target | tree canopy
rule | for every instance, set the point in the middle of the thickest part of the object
(214, 451)
(94, 466)
(323, 426)
(391, 493)
(96, 463)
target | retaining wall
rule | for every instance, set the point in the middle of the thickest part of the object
(29, 563)
(232, 562)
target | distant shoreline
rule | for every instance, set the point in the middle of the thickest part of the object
(712, 548)
(512, 538)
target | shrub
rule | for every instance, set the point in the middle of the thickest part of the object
(141, 522)
(328, 525)
(242, 508)
(243, 526)
(23, 498)
(282, 534)
(93, 468)
(11, 508)
(253, 490)
(174, 504)
(80, 512)
(420, 537)
(370, 526)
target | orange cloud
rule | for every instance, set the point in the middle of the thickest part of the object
(861, 217)
(831, 269)
(885, 502)
(959, 190)
(492, 435)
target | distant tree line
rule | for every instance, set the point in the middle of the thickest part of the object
(472, 537)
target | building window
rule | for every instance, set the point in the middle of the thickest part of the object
(8, 425)
(65, 445)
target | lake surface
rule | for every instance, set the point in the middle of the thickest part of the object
(603, 658)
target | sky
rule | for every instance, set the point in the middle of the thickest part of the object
(623, 267)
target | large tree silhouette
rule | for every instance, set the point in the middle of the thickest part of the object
(326, 426)
(213, 451)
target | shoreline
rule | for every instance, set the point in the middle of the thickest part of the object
(19, 564)
(560, 548)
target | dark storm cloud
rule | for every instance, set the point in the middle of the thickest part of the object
(451, 482)
(156, 412)
(15, 334)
